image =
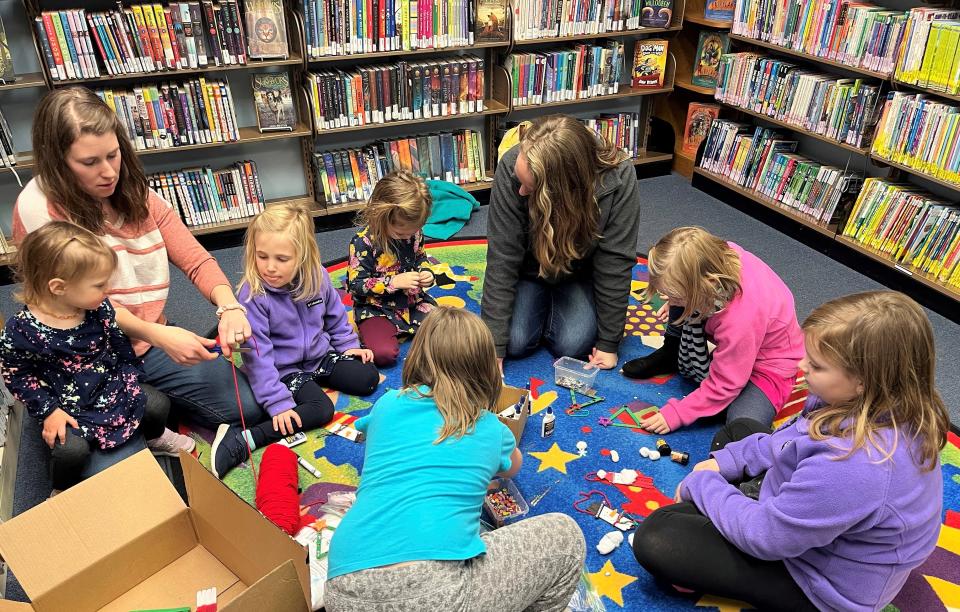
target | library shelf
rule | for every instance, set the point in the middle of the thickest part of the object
(252, 64)
(928, 91)
(812, 58)
(921, 277)
(30, 79)
(579, 37)
(626, 91)
(710, 23)
(915, 172)
(324, 59)
(247, 135)
(490, 107)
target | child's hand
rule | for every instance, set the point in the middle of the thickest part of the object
(406, 281)
(283, 422)
(426, 279)
(676, 496)
(55, 426)
(365, 355)
(709, 464)
(663, 313)
(656, 424)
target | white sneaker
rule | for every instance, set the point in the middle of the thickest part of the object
(170, 444)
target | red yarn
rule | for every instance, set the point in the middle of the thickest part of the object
(277, 488)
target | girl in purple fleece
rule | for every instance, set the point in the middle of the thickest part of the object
(851, 499)
(302, 336)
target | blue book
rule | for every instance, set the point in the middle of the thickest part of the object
(448, 157)
(68, 37)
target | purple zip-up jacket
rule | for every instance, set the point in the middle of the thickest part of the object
(848, 530)
(290, 337)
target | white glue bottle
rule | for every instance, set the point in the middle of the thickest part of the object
(548, 422)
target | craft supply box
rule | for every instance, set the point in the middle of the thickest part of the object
(124, 540)
(508, 397)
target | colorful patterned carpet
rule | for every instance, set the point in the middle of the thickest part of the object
(556, 474)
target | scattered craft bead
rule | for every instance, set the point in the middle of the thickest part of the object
(644, 451)
(615, 456)
(502, 503)
(654, 455)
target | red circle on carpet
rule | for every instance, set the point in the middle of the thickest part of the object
(604, 451)
(586, 429)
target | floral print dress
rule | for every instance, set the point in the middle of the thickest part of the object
(89, 371)
(368, 280)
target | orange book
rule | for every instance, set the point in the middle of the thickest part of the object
(699, 118)
(405, 162)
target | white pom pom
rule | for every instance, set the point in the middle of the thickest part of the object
(644, 451)
(654, 455)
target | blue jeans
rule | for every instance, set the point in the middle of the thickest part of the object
(205, 391)
(563, 317)
(752, 404)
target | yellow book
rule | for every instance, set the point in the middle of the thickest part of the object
(939, 265)
(108, 98)
(929, 57)
(164, 35)
(207, 102)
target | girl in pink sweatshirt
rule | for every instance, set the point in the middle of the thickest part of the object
(717, 291)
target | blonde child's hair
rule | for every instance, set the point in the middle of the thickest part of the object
(453, 354)
(884, 340)
(398, 198)
(62, 250)
(565, 158)
(693, 264)
(293, 221)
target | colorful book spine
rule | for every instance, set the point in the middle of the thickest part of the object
(578, 73)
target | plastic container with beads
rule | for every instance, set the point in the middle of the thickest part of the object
(575, 374)
(498, 510)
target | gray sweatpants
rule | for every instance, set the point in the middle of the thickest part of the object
(533, 564)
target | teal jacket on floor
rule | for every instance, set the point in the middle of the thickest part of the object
(452, 207)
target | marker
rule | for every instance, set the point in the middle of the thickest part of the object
(308, 466)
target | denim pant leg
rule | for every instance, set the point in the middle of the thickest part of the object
(530, 308)
(572, 324)
(204, 392)
(673, 313)
(752, 403)
(102, 459)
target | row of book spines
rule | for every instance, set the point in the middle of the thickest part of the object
(584, 72)
(922, 134)
(535, 19)
(864, 35)
(622, 131)
(396, 93)
(844, 110)
(345, 27)
(910, 226)
(142, 38)
(203, 196)
(940, 61)
(349, 175)
(173, 115)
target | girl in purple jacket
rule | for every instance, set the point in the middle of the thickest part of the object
(851, 496)
(303, 339)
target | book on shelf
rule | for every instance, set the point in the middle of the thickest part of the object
(697, 125)
(841, 109)
(202, 195)
(491, 21)
(856, 34)
(656, 13)
(911, 227)
(920, 133)
(81, 44)
(273, 99)
(929, 57)
(762, 160)
(622, 130)
(349, 175)
(347, 27)
(537, 19)
(581, 72)
(8, 154)
(397, 92)
(649, 62)
(706, 62)
(719, 10)
(266, 29)
(7, 74)
(175, 114)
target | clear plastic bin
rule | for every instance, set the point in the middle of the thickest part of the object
(575, 374)
(490, 513)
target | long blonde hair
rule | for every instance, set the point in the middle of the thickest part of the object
(398, 198)
(693, 264)
(64, 115)
(884, 340)
(453, 354)
(566, 160)
(61, 250)
(294, 222)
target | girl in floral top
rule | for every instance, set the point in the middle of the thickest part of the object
(66, 359)
(388, 272)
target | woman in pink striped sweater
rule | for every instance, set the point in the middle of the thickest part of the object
(720, 292)
(87, 173)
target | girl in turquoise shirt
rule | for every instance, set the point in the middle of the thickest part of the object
(412, 541)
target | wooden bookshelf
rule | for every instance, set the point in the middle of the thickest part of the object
(931, 92)
(651, 157)
(625, 92)
(766, 202)
(25, 161)
(798, 129)
(326, 59)
(490, 107)
(710, 23)
(683, 82)
(581, 37)
(247, 135)
(252, 64)
(812, 58)
(921, 277)
(915, 172)
(30, 79)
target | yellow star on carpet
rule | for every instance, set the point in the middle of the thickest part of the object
(554, 458)
(722, 604)
(948, 592)
(609, 582)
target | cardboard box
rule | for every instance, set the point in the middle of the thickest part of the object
(508, 397)
(124, 540)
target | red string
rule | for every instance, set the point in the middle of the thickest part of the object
(236, 388)
(276, 495)
(584, 497)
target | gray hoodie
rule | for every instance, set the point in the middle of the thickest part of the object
(609, 261)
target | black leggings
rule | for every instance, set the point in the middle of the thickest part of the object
(68, 460)
(314, 407)
(680, 546)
